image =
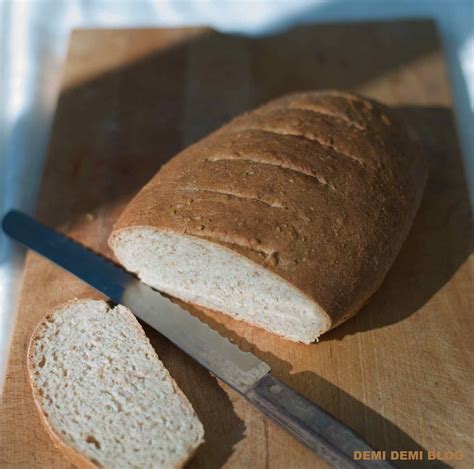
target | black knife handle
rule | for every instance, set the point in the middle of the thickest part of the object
(310, 424)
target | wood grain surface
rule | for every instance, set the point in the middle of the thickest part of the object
(401, 372)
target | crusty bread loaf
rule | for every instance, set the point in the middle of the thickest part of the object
(103, 394)
(288, 217)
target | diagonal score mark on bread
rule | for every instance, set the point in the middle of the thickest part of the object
(318, 109)
(237, 195)
(276, 163)
(227, 239)
(310, 136)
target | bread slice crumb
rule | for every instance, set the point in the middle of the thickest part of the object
(105, 397)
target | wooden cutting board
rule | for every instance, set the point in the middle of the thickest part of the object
(401, 372)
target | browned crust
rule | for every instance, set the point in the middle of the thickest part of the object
(320, 188)
(70, 453)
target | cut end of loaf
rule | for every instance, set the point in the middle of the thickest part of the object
(104, 394)
(206, 274)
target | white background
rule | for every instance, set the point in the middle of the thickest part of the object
(34, 34)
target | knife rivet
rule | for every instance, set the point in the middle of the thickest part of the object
(275, 389)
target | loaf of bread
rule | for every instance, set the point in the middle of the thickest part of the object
(288, 217)
(103, 395)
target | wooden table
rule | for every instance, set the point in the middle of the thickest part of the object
(401, 372)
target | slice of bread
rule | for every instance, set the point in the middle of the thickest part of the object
(288, 217)
(103, 394)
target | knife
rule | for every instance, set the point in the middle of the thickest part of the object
(243, 371)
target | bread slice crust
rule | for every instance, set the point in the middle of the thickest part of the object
(70, 453)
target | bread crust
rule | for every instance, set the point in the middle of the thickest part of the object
(75, 457)
(320, 188)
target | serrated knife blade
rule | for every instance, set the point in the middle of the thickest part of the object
(243, 371)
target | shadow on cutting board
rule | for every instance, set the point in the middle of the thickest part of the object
(113, 132)
(319, 390)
